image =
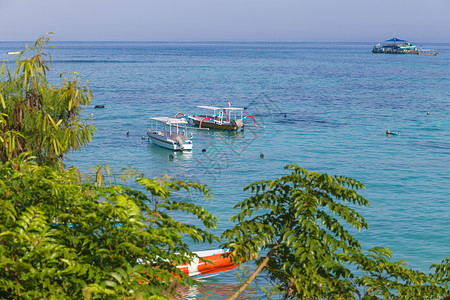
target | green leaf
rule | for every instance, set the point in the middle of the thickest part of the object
(2, 100)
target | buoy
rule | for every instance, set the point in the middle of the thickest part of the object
(392, 132)
(170, 156)
(99, 106)
(203, 150)
(261, 155)
(143, 137)
(428, 113)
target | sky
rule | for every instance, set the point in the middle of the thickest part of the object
(420, 21)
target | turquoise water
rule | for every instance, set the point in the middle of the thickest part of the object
(326, 107)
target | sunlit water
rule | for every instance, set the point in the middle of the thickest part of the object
(326, 107)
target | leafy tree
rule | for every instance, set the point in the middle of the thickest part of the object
(309, 252)
(393, 280)
(61, 238)
(37, 116)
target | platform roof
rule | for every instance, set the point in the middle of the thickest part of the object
(394, 39)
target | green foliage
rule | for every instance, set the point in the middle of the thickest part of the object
(393, 280)
(300, 218)
(35, 115)
(311, 252)
(60, 238)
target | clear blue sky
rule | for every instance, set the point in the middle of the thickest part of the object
(420, 21)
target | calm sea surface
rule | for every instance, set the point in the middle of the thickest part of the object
(326, 107)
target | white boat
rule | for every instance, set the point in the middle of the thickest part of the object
(14, 52)
(428, 52)
(225, 118)
(170, 133)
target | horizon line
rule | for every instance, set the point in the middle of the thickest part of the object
(200, 41)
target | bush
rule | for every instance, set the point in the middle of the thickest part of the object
(61, 238)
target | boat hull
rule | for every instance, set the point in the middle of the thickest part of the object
(214, 125)
(218, 264)
(169, 144)
(429, 53)
(200, 269)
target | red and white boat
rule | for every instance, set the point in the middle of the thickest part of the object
(201, 269)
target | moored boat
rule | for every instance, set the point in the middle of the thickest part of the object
(219, 262)
(428, 52)
(229, 118)
(224, 118)
(170, 133)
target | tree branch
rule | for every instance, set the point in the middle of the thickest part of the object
(256, 272)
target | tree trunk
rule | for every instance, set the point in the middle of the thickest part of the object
(254, 274)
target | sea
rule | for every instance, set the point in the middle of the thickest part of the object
(324, 106)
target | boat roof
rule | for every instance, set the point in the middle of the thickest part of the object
(208, 107)
(169, 121)
(232, 108)
(219, 108)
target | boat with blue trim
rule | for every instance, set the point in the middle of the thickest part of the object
(224, 118)
(228, 118)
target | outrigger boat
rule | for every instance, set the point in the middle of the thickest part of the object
(225, 118)
(172, 135)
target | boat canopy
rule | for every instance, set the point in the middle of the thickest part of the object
(394, 39)
(232, 108)
(169, 121)
(219, 108)
(208, 107)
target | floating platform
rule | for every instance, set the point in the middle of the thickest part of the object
(398, 46)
